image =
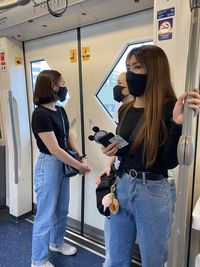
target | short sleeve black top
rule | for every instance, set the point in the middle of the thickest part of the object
(167, 153)
(47, 120)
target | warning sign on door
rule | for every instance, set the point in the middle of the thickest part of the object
(73, 55)
(85, 53)
(18, 61)
(165, 29)
(2, 61)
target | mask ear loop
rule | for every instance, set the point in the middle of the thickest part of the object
(54, 92)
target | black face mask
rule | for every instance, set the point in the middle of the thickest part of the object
(136, 83)
(117, 93)
(62, 93)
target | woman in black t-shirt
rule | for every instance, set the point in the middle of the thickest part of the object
(145, 194)
(51, 184)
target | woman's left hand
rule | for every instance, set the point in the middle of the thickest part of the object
(83, 160)
(193, 102)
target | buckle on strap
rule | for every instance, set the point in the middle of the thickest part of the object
(133, 173)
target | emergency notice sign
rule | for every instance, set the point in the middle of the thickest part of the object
(2, 61)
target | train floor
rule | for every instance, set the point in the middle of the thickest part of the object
(15, 248)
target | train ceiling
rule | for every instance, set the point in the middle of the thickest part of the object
(33, 20)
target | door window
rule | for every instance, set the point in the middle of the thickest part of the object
(36, 68)
(105, 93)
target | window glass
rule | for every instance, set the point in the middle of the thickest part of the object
(36, 68)
(105, 93)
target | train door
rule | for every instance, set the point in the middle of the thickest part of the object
(104, 50)
(56, 52)
(108, 44)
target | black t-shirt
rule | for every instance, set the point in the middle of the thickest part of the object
(167, 154)
(47, 120)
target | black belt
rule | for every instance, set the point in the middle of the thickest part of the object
(146, 175)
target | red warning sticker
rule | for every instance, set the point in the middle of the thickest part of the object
(2, 61)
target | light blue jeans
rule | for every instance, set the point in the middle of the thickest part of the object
(146, 210)
(50, 222)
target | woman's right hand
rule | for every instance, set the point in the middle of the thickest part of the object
(106, 171)
(111, 149)
(84, 169)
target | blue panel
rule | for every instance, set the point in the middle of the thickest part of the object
(170, 12)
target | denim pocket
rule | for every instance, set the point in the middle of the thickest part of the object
(156, 188)
(173, 192)
(122, 189)
(173, 195)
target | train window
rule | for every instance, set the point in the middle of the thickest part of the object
(36, 68)
(105, 93)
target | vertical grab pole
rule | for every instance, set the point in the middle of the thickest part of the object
(186, 145)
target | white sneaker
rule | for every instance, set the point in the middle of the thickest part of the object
(47, 264)
(65, 249)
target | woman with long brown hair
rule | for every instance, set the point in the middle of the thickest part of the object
(145, 194)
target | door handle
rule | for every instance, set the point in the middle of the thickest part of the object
(13, 118)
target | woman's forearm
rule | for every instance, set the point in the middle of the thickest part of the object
(73, 144)
(111, 161)
(62, 155)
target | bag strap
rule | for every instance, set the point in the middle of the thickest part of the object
(64, 127)
(136, 128)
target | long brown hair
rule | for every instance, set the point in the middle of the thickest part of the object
(44, 92)
(158, 90)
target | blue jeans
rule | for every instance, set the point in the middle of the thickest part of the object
(50, 222)
(146, 210)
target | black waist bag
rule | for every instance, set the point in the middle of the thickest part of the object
(103, 189)
(70, 171)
